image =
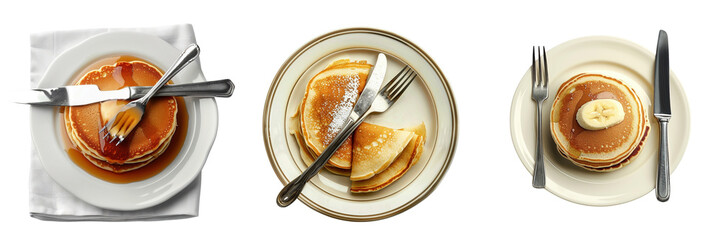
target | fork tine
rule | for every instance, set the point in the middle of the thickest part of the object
(393, 83)
(405, 82)
(107, 125)
(122, 130)
(399, 82)
(128, 127)
(114, 131)
(124, 119)
(540, 67)
(545, 68)
(533, 68)
(125, 124)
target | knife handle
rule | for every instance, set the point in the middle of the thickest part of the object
(292, 190)
(663, 180)
(219, 88)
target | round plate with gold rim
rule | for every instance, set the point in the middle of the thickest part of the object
(428, 99)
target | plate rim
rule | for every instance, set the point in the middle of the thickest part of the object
(206, 110)
(675, 81)
(318, 207)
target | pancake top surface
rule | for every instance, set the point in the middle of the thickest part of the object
(157, 126)
(620, 138)
(407, 158)
(329, 99)
(375, 147)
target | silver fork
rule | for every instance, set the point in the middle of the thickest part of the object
(539, 84)
(386, 97)
(391, 91)
(120, 126)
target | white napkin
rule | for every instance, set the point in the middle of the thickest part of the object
(48, 200)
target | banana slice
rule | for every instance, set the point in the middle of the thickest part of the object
(600, 114)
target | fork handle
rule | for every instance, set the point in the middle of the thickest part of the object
(188, 56)
(539, 172)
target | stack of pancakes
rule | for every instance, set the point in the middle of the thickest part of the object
(374, 156)
(151, 136)
(602, 150)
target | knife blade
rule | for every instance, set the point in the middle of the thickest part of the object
(86, 94)
(292, 190)
(662, 112)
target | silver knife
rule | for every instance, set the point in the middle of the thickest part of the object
(292, 190)
(87, 94)
(662, 112)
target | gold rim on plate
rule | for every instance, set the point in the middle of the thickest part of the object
(274, 159)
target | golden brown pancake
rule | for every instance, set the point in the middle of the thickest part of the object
(373, 156)
(399, 167)
(150, 138)
(306, 154)
(117, 168)
(126, 167)
(419, 130)
(329, 98)
(598, 150)
(619, 165)
(374, 148)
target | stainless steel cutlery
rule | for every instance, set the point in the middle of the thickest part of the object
(372, 99)
(539, 86)
(662, 112)
(86, 94)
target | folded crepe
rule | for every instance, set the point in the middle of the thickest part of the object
(407, 158)
(374, 148)
(329, 98)
(398, 167)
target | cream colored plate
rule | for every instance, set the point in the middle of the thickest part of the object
(46, 127)
(616, 58)
(428, 99)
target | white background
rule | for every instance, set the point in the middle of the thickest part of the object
(483, 49)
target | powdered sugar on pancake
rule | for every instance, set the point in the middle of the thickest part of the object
(341, 111)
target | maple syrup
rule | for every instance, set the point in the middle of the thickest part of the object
(152, 168)
(591, 140)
